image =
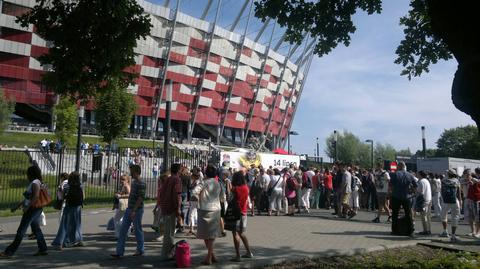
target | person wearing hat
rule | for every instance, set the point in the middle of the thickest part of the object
(451, 202)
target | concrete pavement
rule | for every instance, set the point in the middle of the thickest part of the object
(273, 239)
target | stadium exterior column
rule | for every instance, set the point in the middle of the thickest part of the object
(234, 75)
(164, 73)
(202, 78)
(295, 82)
(257, 87)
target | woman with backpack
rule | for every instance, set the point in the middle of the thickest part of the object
(32, 210)
(71, 234)
(291, 185)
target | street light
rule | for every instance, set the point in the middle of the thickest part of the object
(166, 130)
(81, 113)
(318, 152)
(371, 150)
(424, 144)
(290, 133)
(335, 137)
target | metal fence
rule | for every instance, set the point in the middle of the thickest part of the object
(100, 171)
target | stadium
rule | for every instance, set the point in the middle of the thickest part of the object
(232, 76)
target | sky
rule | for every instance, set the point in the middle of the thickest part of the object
(359, 88)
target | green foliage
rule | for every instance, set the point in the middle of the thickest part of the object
(6, 109)
(350, 149)
(93, 42)
(329, 22)
(384, 152)
(461, 142)
(114, 112)
(421, 47)
(66, 120)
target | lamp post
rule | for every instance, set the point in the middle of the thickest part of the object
(318, 152)
(335, 137)
(81, 113)
(290, 133)
(424, 143)
(371, 150)
(166, 129)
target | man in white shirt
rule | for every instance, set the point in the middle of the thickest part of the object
(424, 201)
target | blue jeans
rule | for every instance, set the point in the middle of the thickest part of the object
(137, 224)
(70, 228)
(29, 218)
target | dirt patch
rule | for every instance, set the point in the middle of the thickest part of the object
(408, 257)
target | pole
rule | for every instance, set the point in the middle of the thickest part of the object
(288, 146)
(166, 131)
(335, 145)
(318, 152)
(81, 112)
(371, 152)
(424, 143)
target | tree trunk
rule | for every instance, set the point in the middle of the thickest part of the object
(458, 24)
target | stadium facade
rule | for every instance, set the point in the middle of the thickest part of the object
(226, 85)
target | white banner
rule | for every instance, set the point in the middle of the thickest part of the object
(238, 159)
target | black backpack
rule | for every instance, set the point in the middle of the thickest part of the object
(449, 192)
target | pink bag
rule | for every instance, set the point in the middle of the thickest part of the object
(182, 254)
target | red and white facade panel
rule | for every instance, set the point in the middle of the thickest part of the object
(20, 71)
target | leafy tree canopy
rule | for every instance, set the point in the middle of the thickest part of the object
(93, 42)
(114, 111)
(461, 142)
(6, 109)
(66, 120)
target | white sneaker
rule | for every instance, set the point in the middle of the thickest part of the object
(470, 235)
(476, 236)
(159, 239)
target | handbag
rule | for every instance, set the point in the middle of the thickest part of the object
(123, 204)
(43, 199)
(233, 212)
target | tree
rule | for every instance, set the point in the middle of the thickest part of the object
(458, 142)
(66, 120)
(350, 149)
(6, 109)
(384, 152)
(434, 30)
(114, 110)
(93, 42)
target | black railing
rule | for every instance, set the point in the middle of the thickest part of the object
(100, 171)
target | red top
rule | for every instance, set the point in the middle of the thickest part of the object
(169, 192)
(474, 192)
(241, 192)
(327, 181)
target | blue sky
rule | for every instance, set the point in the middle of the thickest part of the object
(360, 89)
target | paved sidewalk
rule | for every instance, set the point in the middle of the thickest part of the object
(273, 239)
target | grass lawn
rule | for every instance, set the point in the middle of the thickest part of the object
(408, 257)
(21, 139)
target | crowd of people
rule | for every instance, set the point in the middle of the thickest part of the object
(208, 201)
